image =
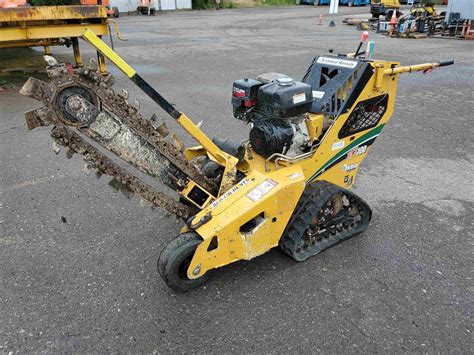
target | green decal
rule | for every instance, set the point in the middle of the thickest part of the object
(364, 138)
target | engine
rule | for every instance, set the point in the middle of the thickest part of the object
(275, 106)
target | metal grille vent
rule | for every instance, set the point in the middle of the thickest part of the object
(365, 115)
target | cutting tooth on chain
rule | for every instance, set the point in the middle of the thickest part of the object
(56, 148)
(93, 65)
(87, 168)
(69, 153)
(126, 192)
(115, 185)
(124, 94)
(145, 203)
(136, 104)
(50, 60)
(163, 129)
(345, 201)
(177, 142)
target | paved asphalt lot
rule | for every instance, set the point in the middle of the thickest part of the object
(91, 285)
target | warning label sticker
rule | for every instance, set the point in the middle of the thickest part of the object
(299, 98)
(261, 190)
(318, 94)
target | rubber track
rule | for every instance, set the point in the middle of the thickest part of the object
(312, 200)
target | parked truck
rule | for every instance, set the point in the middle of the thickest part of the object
(354, 2)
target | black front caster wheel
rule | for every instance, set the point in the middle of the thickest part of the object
(175, 259)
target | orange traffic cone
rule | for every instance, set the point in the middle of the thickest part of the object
(393, 22)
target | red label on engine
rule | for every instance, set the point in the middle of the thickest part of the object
(238, 92)
(250, 103)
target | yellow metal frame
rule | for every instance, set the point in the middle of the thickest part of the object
(301, 173)
(40, 26)
(32, 43)
(105, 50)
(30, 33)
(242, 203)
(30, 14)
(228, 161)
(237, 209)
(269, 193)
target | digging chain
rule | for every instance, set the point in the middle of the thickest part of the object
(124, 181)
(86, 90)
(130, 116)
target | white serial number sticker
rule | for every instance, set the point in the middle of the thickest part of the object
(338, 145)
(261, 190)
(337, 62)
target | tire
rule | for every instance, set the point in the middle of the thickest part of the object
(116, 12)
(174, 261)
(316, 3)
(298, 2)
(350, 3)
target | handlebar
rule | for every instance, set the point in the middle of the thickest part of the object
(417, 67)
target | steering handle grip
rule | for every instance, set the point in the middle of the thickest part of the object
(446, 63)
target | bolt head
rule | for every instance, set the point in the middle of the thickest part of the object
(197, 270)
(74, 104)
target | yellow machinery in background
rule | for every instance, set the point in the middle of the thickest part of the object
(287, 185)
(384, 8)
(423, 9)
(47, 26)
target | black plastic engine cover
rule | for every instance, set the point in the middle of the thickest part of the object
(269, 137)
(284, 101)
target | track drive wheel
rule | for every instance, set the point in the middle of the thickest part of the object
(325, 216)
(175, 259)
